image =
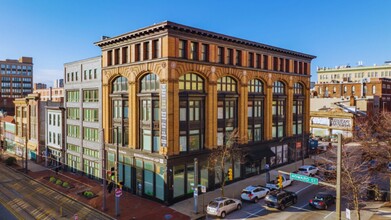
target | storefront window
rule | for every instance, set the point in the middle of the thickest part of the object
(204, 175)
(148, 178)
(179, 180)
(190, 177)
(159, 187)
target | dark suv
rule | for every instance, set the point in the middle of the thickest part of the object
(280, 199)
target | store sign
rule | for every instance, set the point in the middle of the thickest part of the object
(341, 122)
(320, 121)
(157, 160)
(163, 112)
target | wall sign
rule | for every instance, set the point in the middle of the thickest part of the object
(341, 122)
(163, 112)
(320, 121)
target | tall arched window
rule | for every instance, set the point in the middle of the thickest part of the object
(120, 103)
(353, 90)
(373, 90)
(278, 110)
(298, 109)
(227, 108)
(255, 110)
(149, 113)
(191, 112)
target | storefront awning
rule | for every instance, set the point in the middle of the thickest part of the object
(259, 155)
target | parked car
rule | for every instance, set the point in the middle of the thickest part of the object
(221, 206)
(308, 170)
(280, 199)
(254, 193)
(322, 200)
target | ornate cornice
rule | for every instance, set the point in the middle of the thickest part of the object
(174, 27)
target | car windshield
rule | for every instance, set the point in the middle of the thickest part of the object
(302, 169)
(271, 198)
(213, 204)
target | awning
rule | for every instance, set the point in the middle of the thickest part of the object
(258, 155)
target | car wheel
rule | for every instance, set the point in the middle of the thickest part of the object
(282, 207)
(239, 207)
(222, 215)
(256, 200)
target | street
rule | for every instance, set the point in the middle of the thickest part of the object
(300, 211)
(32, 200)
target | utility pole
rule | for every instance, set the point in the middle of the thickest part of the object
(338, 186)
(195, 186)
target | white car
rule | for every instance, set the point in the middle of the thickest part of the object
(254, 193)
(221, 206)
(308, 170)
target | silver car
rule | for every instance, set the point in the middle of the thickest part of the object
(221, 206)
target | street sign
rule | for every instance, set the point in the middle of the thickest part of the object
(118, 192)
(195, 192)
(303, 178)
(203, 189)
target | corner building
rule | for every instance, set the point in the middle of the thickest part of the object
(172, 93)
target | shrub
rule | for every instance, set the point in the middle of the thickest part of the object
(65, 184)
(58, 182)
(52, 179)
(10, 161)
(88, 194)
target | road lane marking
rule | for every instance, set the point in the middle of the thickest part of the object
(253, 214)
(303, 189)
(328, 215)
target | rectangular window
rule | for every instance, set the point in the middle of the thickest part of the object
(220, 55)
(250, 61)
(95, 74)
(281, 64)
(182, 53)
(265, 62)
(90, 134)
(194, 51)
(238, 58)
(90, 115)
(155, 49)
(230, 56)
(287, 66)
(73, 113)
(146, 50)
(73, 96)
(90, 96)
(109, 58)
(205, 52)
(275, 63)
(73, 131)
(116, 56)
(137, 52)
(124, 55)
(296, 67)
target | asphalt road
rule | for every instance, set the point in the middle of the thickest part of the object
(27, 199)
(299, 211)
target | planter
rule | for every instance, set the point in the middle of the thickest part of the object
(87, 194)
(59, 182)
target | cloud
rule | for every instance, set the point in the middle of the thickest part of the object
(47, 76)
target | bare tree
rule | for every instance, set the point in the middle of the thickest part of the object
(362, 160)
(224, 155)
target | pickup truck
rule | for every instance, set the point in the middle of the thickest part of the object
(286, 181)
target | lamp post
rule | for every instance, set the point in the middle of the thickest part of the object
(116, 173)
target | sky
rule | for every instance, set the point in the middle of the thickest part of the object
(337, 32)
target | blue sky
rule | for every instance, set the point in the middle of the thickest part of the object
(54, 32)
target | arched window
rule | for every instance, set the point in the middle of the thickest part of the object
(255, 109)
(278, 110)
(191, 112)
(149, 113)
(120, 103)
(227, 108)
(298, 109)
(120, 84)
(353, 90)
(373, 90)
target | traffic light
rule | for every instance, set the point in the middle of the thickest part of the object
(230, 176)
(279, 181)
(112, 174)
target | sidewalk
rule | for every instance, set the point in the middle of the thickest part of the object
(131, 206)
(233, 190)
